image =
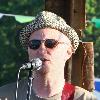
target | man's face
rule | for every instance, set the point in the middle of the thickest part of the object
(53, 59)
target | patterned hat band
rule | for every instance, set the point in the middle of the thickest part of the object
(47, 19)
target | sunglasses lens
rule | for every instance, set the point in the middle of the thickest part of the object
(34, 44)
(51, 43)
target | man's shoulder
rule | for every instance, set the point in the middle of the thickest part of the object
(7, 91)
(82, 94)
(7, 88)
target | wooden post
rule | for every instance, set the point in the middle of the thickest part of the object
(77, 20)
(84, 57)
(78, 59)
(88, 67)
(60, 7)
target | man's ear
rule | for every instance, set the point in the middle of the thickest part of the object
(69, 52)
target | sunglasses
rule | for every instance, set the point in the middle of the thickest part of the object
(49, 43)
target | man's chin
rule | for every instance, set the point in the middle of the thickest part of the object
(43, 70)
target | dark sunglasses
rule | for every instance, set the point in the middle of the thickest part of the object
(49, 43)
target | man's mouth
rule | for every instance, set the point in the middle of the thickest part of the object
(44, 59)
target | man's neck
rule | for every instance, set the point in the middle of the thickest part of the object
(48, 85)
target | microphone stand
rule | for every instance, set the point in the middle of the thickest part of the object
(34, 64)
(30, 78)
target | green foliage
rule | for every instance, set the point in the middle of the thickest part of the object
(92, 32)
(96, 22)
(12, 56)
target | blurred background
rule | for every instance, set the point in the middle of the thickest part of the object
(12, 56)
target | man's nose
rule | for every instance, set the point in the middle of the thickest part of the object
(42, 48)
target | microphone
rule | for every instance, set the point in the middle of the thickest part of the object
(34, 64)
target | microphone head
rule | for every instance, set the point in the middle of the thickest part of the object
(36, 63)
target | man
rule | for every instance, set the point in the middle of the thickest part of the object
(49, 38)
